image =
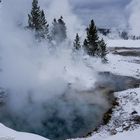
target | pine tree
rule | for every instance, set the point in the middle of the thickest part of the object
(85, 44)
(58, 32)
(54, 30)
(93, 45)
(102, 51)
(62, 29)
(76, 43)
(44, 30)
(37, 21)
(91, 41)
(34, 17)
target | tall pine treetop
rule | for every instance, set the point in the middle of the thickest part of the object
(37, 21)
(34, 17)
(91, 41)
(92, 44)
(92, 35)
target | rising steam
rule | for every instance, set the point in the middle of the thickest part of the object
(134, 9)
(48, 90)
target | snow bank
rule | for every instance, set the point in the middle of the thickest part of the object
(123, 136)
(123, 43)
(127, 135)
(9, 134)
(121, 65)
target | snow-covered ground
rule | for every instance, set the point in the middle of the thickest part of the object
(9, 134)
(123, 43)
(122, 65)
(128, 136)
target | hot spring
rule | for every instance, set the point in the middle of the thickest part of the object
(72, 114)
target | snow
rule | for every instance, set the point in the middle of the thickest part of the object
(121, 65)
(123, 43)
(127, 135)
(9, 134)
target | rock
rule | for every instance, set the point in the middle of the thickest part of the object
(134, 112)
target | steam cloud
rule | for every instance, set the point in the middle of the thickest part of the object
(134, 16)
(46, 92)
